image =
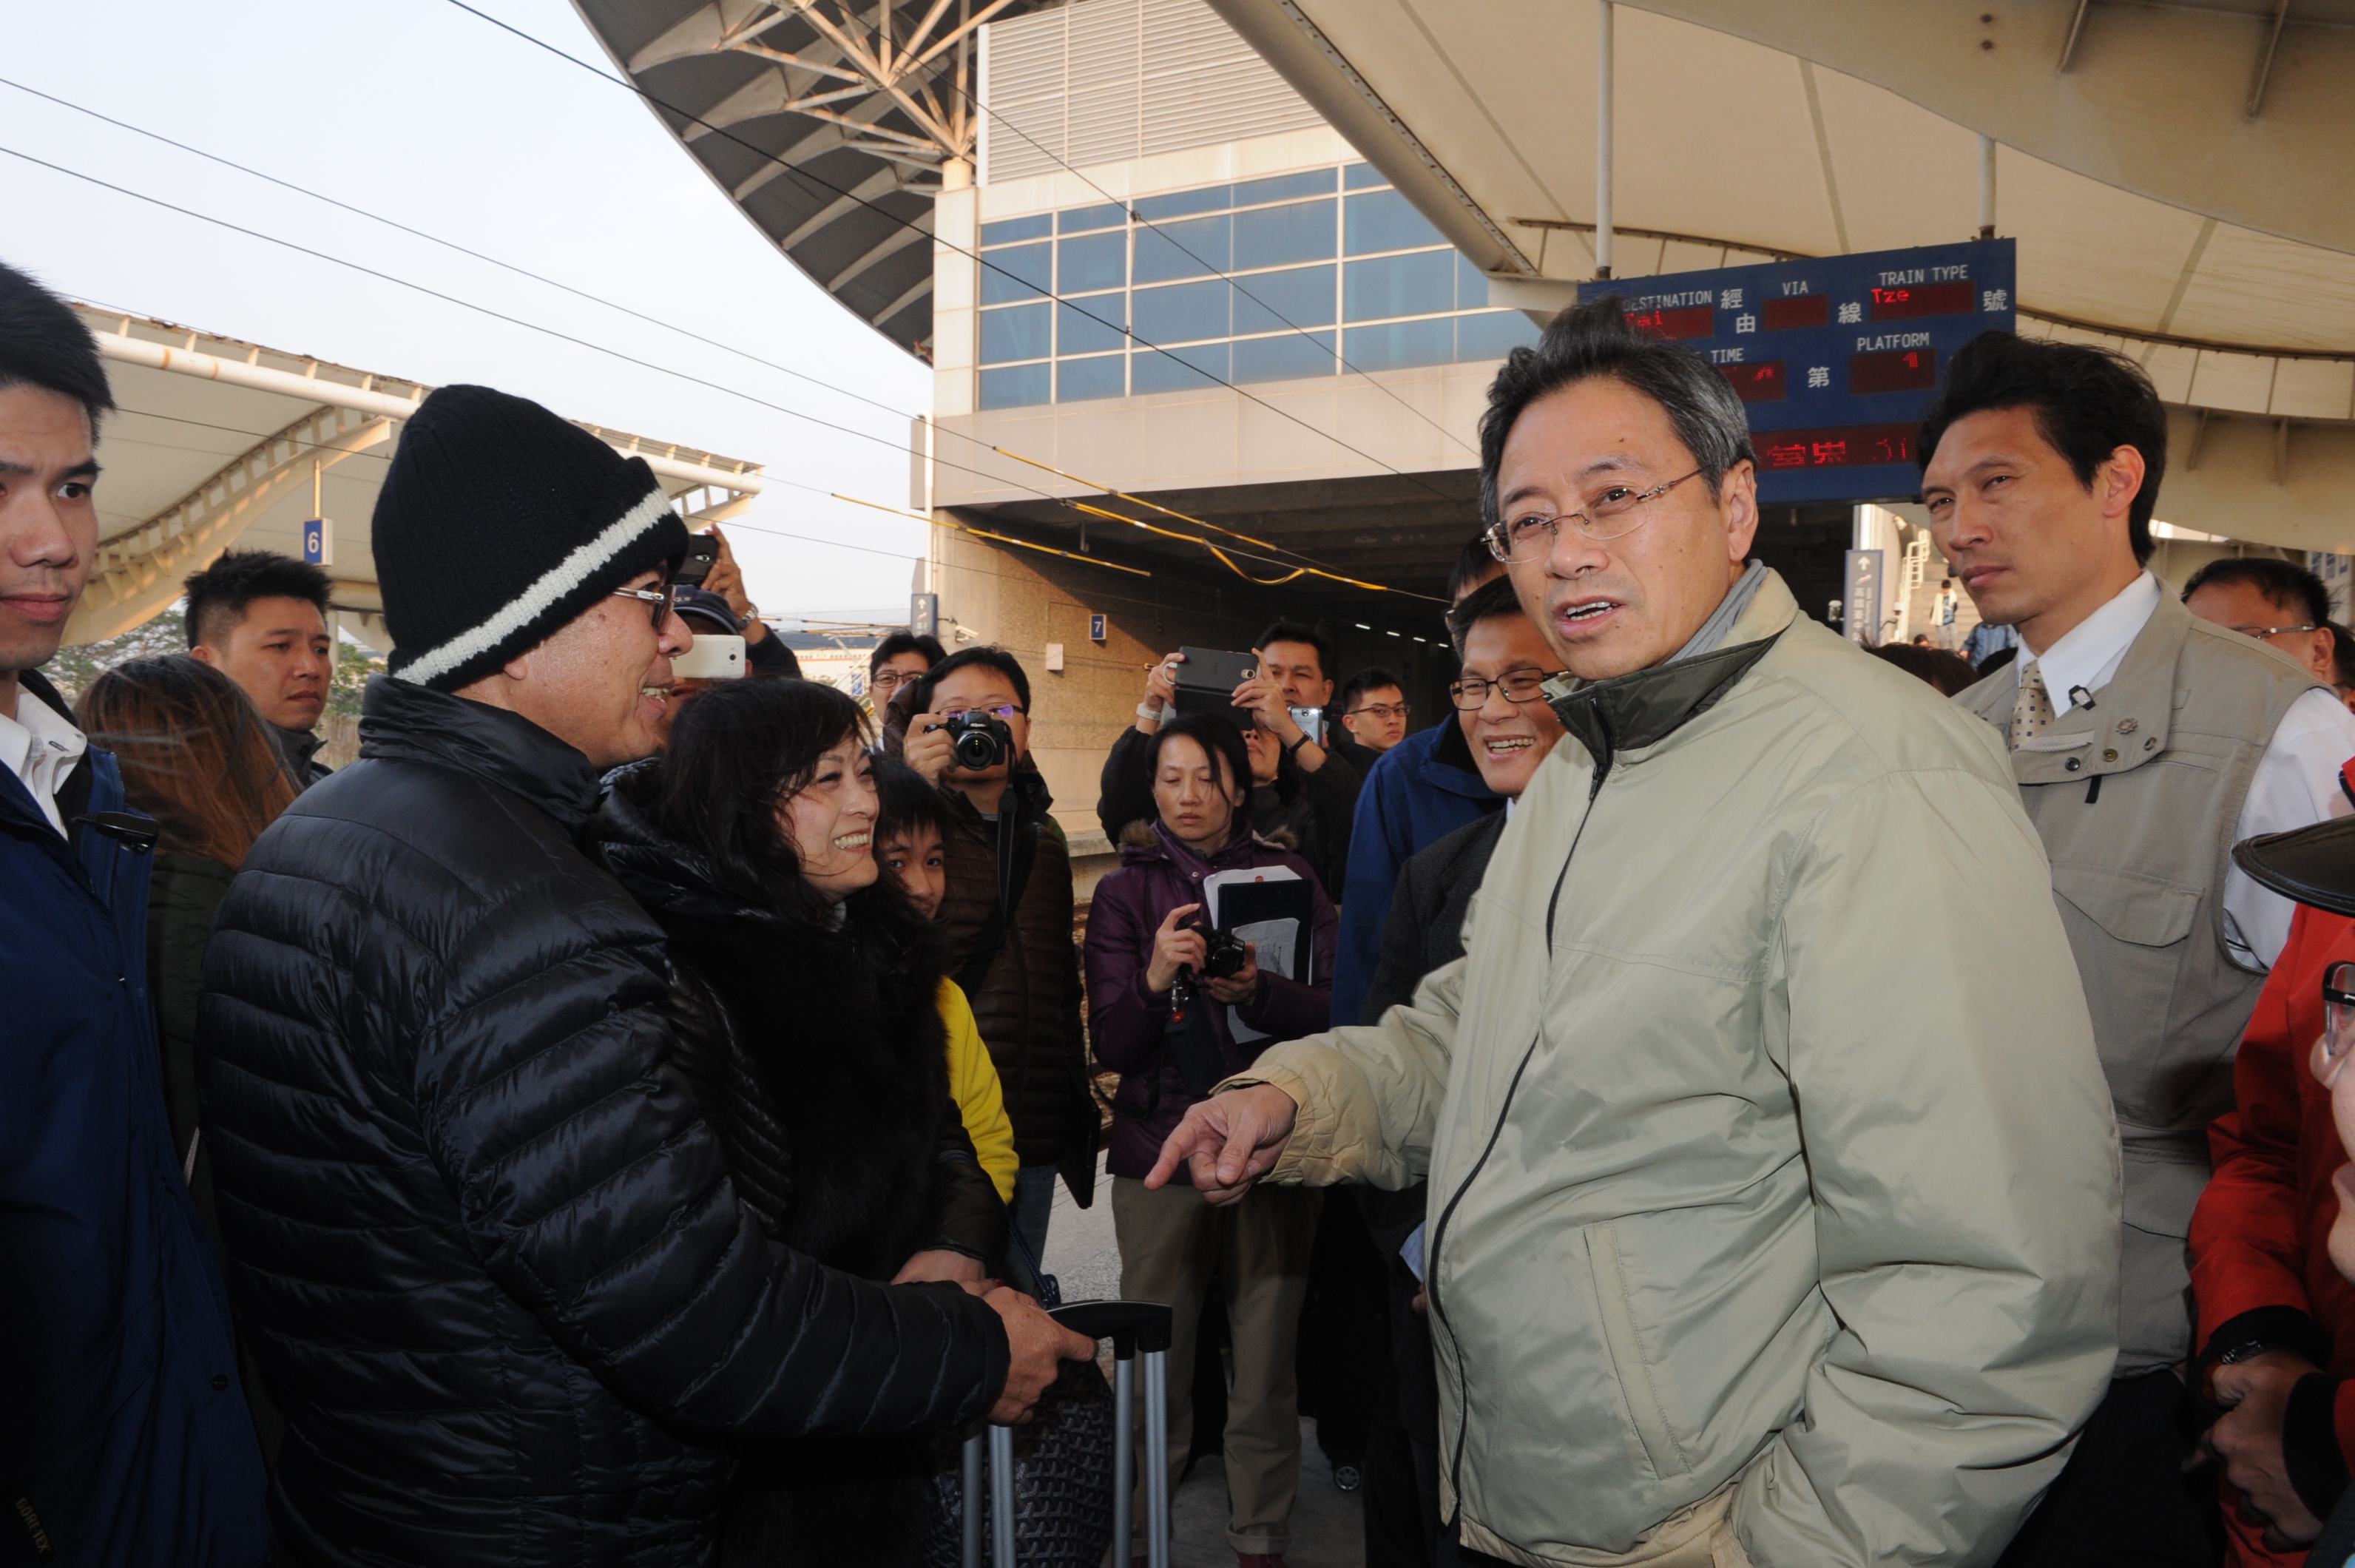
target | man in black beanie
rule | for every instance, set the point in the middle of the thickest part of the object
(500, 1278)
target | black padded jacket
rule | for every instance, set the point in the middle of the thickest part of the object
(495, 1269)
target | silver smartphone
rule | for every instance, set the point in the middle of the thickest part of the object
(714, 656)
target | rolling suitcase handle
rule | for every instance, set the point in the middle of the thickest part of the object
(1134, 1327)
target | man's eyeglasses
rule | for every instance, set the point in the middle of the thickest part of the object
(1383, 710)
(660, 598)
(2262, 633)
(1005, 712)
(1609, 514)
(1472, 692)
(887, 679)
(2338, 1010)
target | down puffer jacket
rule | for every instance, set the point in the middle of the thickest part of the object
(498, 1274)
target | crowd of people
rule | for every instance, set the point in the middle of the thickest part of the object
(1838, 1109)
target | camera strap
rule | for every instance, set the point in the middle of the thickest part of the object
(1017, 851)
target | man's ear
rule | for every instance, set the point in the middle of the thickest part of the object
(2120, 481)
(203, 654)
(1738, 498)
(518, 667)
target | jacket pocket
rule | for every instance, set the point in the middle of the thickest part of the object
(1626, 1349)
(2143, 911)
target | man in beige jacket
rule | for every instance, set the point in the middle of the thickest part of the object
(1723, 1266)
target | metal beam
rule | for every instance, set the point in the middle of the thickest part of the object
(923, 286)
(2266, 60)
(2076, 31)
(896, 241)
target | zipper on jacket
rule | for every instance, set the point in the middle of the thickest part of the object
(1439, 1231)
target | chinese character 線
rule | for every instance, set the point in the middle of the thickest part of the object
(1994, 299)
(1850, 314)
(1746, 324)
(1819, 375)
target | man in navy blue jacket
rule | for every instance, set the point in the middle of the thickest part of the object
(124, 1434)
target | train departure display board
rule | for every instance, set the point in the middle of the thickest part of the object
(1834, 358)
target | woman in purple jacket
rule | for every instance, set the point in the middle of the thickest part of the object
(1170, 1033)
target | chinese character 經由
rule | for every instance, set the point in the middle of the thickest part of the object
(1746, 324)
(1994, 299)
(1850, 314)
(1819, 375)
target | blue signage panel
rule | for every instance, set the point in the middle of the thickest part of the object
(319, 542)
(1836, 357)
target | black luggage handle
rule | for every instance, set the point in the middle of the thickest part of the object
(1131, 1326)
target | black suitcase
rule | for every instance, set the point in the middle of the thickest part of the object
(1136, 1328)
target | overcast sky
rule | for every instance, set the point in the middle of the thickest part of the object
(417, 111)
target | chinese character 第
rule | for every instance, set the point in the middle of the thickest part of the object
(1819, 376)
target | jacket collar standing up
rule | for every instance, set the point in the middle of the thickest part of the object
(403, 721)
(1629, 712)
(298, 747)
(1145, 843)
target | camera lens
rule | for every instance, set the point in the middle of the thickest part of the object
(977, 750)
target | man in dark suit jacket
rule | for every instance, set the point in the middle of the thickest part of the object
(1510, 728)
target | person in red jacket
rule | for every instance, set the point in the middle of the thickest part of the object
(2276, 1318)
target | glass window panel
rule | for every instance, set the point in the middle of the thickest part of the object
(1189, 249)
(1362, 177)
(1400, 344)
(1385, 220)
(1315, 182)
(1287, 358)
(1013, 389)
(1105, 215)
(1278, 236)
(1090, 324)
(1106, 376)
(1271, 302)
(1095, 261)
(1184, 370)
(1415, 284)
(1177, 203)
(1471, 284)
(1182, 311)
(1019, 332)
(1021, 272)
(1006, 231)
(1492, 334)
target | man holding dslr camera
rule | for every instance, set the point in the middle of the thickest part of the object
(1008, 914)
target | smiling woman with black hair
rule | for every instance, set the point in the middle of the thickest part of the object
(803, 994)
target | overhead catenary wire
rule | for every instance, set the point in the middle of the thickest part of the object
(796, 172)
(581, 294)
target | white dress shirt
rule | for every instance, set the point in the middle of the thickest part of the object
(40, 748)
(2297, 781)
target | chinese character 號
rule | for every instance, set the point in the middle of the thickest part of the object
(1994, 299)
(1850, 314)
(1729, 298)
(1819, 375)
(1746, 324)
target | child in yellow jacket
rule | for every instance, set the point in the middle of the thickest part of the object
(908, 849)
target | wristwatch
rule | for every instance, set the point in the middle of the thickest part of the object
(1293, 746)
(2247, 1351)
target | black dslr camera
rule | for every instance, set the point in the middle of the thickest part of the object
(978, 741)
(1222, 954)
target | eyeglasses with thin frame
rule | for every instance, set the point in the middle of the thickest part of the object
(1384, 711)
(659, 597)
(1612, 513)
(2338, 1010)
(1471, 693)
(1006, 710)
(887, 679)
(2262, 633)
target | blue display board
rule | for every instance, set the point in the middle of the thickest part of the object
(1836, 357)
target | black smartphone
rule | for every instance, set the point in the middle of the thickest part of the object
(702, 555)
(1206, 682)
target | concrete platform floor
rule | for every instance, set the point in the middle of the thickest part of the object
(1326, 1532)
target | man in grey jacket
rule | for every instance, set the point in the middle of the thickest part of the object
(1725, 1265)
(2147, 742)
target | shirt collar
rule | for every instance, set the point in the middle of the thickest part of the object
(40, 746)
(2089, 654)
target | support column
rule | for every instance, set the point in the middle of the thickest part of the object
(1986, 187)
(1602, 144)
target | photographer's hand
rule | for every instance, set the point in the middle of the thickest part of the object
(1160, 691)
(1173, 950)
(928, 749)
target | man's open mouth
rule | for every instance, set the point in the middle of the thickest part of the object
(1505, 745)
(1593, 609)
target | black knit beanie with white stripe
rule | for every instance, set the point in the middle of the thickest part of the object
(497, 524)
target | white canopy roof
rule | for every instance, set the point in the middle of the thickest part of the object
(2154, 210)
(217, 443)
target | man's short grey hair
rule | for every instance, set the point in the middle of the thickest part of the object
(1597, 340)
